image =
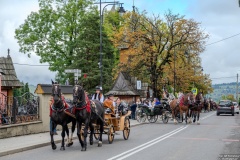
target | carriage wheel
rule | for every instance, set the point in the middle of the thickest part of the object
(111, 133)
(152, 119)
(178, 118)
(126, 130)
(165, 116)
(96, 134)
(141, 116)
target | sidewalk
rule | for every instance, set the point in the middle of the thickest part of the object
(32, 141)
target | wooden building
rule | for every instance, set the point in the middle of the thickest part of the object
(9, 79)
(125, 87)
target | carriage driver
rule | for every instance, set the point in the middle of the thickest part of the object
(98, 95)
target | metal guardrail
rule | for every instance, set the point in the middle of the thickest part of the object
(20, 109)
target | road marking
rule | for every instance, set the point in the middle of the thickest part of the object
(152, 142)
(147, 144)
(206, 139)
(207, 116)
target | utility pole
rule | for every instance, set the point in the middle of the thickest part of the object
(237, 90)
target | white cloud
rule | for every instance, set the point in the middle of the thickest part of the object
(12, 15)
(218, 18)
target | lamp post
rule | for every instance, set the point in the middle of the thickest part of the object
(174, 73)
(121, 11)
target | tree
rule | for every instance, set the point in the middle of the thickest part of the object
(66, 35)
(152, 42)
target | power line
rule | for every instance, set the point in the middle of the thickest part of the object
(223, 39)
(224, 77)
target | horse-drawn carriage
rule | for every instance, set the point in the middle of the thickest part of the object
(114, 124)
(144, 112)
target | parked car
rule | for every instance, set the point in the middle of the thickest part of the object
(236, 107)
(225, 107)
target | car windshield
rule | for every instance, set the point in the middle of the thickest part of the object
(224, 103)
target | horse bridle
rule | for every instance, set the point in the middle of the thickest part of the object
(76, 91)
(57, 91)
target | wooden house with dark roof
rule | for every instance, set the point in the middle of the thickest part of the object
(125, 87)
(9, 78)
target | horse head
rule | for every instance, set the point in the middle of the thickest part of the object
(189, 98)
(78, 96)
(199, 98)
(56, 93)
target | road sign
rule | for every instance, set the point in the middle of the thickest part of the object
(194, 91)
(77, 74)
(73, 71)
(139, 85)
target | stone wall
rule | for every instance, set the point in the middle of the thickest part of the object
(32, 127)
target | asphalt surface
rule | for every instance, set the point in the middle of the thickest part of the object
(215, 137)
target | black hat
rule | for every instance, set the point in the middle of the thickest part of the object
(110, 95)
(98, 88)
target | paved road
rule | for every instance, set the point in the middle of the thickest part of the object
(215, 135)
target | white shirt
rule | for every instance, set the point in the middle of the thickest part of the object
(97, 98)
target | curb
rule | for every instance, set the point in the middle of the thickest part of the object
(35, 146)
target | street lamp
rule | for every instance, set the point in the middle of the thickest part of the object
(121, 11)
(174, 73)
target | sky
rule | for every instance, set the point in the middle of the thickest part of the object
(219, 18)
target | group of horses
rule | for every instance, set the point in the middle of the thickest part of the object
(188, 106)
(84, 113)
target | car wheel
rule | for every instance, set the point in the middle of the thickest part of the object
(237, 112)
(217, 114)
(232, 114)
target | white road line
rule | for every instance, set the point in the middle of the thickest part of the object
(207, 116)
(150, 143)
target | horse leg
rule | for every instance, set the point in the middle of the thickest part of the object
(101, 132)
(194, 116)
(51, 134)
(91, 133)
(72, 131)
(198, 115)
(190, 112)
(64, 126)
(79, 127)
(84, 147)
(181, 115)
(68, 139)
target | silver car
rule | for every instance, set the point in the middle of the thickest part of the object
(236, 107)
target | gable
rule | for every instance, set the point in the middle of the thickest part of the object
(9, 79)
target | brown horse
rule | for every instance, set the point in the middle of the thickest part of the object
(185, 101)
(174, 105)
(196, 108)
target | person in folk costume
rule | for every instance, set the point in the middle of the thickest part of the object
(109, 103)
(98, 95)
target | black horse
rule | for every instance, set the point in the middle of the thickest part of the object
(59, 117)
(196, 108)
(87, 113)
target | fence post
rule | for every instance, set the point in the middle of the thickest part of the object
(14, 107)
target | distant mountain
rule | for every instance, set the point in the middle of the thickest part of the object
(223, 89)
(32, 88)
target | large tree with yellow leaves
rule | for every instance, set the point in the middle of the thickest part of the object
(153, 44)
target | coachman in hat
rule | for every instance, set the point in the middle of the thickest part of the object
(98, 95)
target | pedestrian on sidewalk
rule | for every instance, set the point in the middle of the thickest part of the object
(133, 111)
